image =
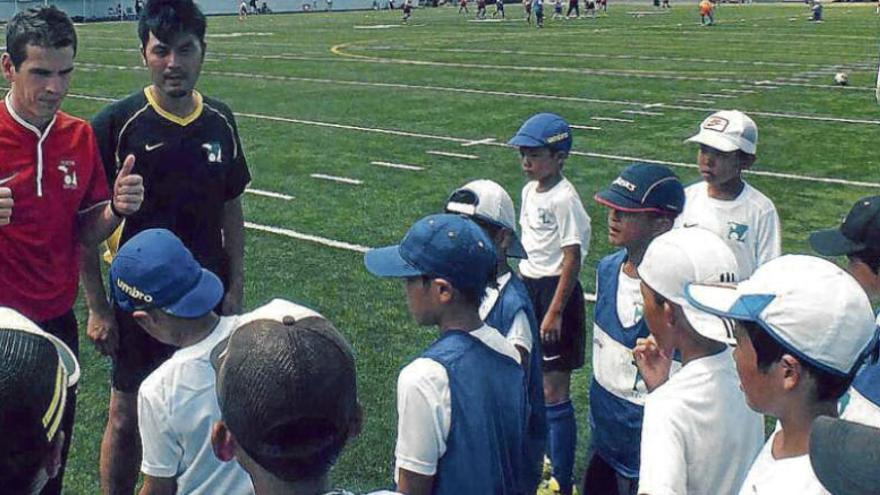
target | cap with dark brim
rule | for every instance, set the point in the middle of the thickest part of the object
(387, 262)
(845, 456)
(200, 300)
(832, 242)
(616, 201)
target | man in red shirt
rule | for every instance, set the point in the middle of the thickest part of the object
(53, 191)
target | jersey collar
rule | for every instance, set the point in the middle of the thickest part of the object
(182, 121)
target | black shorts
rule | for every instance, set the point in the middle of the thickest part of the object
(568, 353)
(137, 356)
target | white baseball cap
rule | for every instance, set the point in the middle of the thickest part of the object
(682, 256)
(728, 130)
(486, 200)
(810, 306)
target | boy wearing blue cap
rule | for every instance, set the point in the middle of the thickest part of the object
(452, 437)
(556, 236)
(642, 204)
(156, 279)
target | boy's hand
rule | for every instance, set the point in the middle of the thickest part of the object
(652, 362)
(551, 328)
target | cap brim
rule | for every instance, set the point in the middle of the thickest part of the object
(714, 140)
(218, 353)
(10, 318)
(718, 302)
(832, 242)
(616, 201)
(527, 141)
(515, 249)
(845, 456)
(199, 301)
(387, 262)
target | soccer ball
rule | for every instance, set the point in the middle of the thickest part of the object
(841, 79)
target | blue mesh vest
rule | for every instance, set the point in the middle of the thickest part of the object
(484, 449)
(513, 298)
(616, 389)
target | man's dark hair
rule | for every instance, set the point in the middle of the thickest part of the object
(470, 295)
(46, 27)
(870, 257)
(167, 19)
(829, 387)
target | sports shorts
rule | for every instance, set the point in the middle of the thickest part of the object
(566, 354)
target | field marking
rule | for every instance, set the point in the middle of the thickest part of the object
(401, 166)
(714, 95)
(479, 141)
(269, 194)
(739, 91)
(641, 112)
(585, 127)
(510, 94)
(336, 178)
(699, 102)
(395, 132)
(378, 26)
(455, 155)
(613, 119)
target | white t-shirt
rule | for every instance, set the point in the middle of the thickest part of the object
(520, 331)
(630, 305)
(861, 410)
(424, 407)
(177, 406)
(789, 476)
(550, 221)
(698, 436)
(748, 224)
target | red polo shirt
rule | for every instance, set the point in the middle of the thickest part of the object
(55, 175)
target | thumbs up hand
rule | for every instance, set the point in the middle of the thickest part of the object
(128, 190)
(6, 204)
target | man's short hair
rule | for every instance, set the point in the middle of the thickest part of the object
(167, 19)
(768, 351)
(46, 27)
(288, 393)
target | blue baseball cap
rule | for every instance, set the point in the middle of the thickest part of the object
(446, 246)
(543, 129)
(155, 270)
(644, 187)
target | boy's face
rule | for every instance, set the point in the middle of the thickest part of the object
(655, 317)
(541, 163)
(419, 300)
(755, 384)
(718, 167)
(866, 277)
(625, 227)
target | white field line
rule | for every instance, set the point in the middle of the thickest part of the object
(613, 119)
(739, 91)
(585, 127)
(640, 112)
(394, 132)
(505, 94)
(479, 141)
(357, 248)
(699, 102)
(269, 194)
(336, 178)
(715, 95)
(453, 155)
(401, 166)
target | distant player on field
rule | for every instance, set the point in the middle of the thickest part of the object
(499, 9)
(527, 7)
(802, 327)
(462, 6)
(407, 10)
(481, 9)
(698, 412)
(858, 238)
(462, 404)
(556, 236)
(723, 202)
(706, 13)
(507, 306)
(557, 9)
(642, 204)
(538, 9)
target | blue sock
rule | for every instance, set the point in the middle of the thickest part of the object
(561, 442)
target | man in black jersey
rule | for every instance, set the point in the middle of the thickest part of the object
(188, 151)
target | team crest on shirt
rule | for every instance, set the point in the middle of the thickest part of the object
(737, 231)
(68, 170)
(213, 152)
(546, 216)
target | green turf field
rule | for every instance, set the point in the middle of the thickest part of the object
(327, 94)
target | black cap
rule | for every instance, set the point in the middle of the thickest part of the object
(845, 456)
(643, 187)
(860, 230)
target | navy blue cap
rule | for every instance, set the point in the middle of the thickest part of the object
(543, 129)
(644, 187)
(446, 246)
(155, 270)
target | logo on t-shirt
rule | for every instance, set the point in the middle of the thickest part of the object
(67, 168)
(213, 152)
(546, 216)
(737, 231)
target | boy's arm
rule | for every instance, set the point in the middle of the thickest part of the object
(551, 326)
(158, 486)
(410, 483)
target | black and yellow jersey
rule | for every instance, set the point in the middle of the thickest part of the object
(191, 167)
